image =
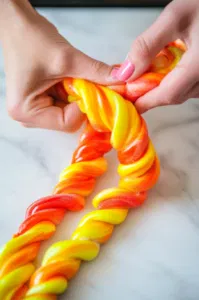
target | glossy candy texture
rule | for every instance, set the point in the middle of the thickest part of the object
(42, 217)
(164, 62)
(112, 122)
(107, 111)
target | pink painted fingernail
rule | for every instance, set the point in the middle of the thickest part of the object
(125, 71)
(114, 73)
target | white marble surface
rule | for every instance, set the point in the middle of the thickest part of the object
(154, 254)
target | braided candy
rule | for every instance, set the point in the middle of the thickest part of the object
(164, 62)
(114, 123)
(75, 182)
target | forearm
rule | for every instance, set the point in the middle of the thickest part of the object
(13, 15)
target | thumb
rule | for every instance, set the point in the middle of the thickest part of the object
(147, 46)
(80, 65)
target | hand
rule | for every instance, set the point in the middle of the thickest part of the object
(180, 19)
(36, 58)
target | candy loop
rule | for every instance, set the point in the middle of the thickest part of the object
(113, 122)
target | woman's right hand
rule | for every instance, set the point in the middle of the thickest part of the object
(179, 20)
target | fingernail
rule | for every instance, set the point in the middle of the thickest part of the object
(114, 73)
(125, 71)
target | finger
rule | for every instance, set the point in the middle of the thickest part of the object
(68, 119)
(193, 92)
(174, 87)
(71, 62)
(148, 45)
(27, 125)
(42, 113)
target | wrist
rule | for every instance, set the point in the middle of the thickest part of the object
(14, 14)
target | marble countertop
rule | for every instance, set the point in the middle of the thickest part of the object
(154, 254)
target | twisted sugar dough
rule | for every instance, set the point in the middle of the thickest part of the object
(107, 112)
(76, 182)
(139, 170)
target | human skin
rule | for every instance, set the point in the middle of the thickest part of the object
(179, 20)
(36, 57)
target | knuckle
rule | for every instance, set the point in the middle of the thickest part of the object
(62, 61)
(142, 47)
(168, 99)
(15, 112)
(97, 67)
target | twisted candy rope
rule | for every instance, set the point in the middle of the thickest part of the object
(107, 112)
(138, 169)
(75, 182)
(164, 62)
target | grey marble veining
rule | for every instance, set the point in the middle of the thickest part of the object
(154, 254)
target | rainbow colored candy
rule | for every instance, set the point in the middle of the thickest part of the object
(112, 122)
